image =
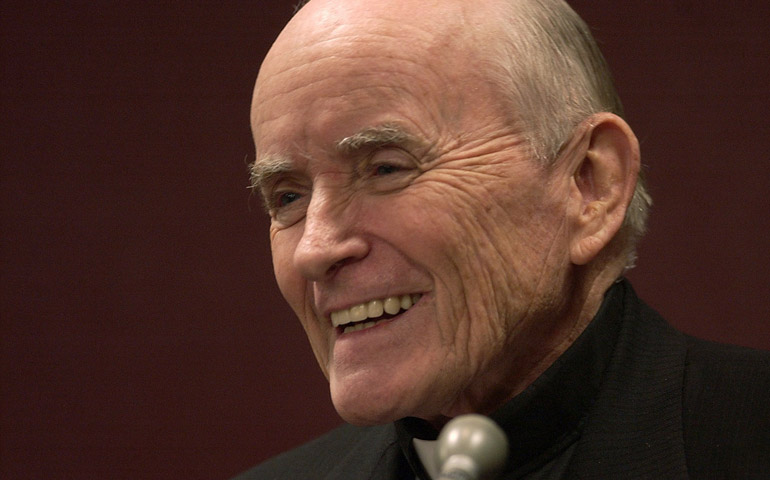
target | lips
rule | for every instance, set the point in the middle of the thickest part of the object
(372, 312)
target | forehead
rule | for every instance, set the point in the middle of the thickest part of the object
(328, 60)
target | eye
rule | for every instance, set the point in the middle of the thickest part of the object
(285, 198)
(387, 161)
(287, 207)
(385, 169)
(388, 170)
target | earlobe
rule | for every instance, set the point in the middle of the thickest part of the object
(606, 165)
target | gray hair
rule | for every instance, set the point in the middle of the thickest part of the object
(299, 5)
(556, 77)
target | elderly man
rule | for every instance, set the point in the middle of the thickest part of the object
(454, 198)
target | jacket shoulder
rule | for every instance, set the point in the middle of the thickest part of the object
(726, 410)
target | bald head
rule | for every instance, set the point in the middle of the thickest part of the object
(445, 39)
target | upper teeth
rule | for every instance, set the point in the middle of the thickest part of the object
(373, 309)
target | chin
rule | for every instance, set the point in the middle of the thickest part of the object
(366, 412)
(371, 406)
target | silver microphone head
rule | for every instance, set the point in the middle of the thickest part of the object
(471, 447)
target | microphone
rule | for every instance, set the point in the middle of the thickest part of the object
(471, 447)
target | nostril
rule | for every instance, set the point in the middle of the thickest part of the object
(333, 269)
(339, 264)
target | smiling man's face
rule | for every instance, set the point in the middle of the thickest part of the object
(405, 206)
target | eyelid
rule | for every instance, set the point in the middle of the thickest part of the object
(277, 186)
(287, 215)
(400, 158)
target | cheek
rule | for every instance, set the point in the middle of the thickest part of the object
(292, 285)
(294, 289)
(490, 250)
(288, 279)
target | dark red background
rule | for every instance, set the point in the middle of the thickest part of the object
(142, 333)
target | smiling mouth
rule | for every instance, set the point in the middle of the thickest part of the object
(369, 314)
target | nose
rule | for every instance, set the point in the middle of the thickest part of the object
(329, 240)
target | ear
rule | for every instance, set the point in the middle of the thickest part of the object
(605, 165)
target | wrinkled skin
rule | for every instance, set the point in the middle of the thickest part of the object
(459, 213)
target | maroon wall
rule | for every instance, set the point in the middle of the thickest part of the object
(142, 333)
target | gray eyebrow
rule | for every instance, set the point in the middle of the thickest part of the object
(267, 167)
(374, 137)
